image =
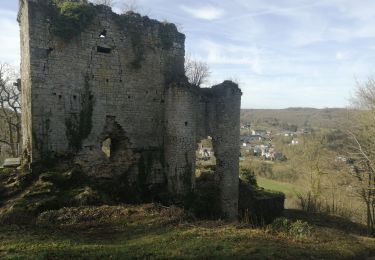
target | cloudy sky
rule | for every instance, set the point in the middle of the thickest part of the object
(284, 53)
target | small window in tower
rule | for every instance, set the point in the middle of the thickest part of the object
(103, 49)
(103, 34)
(186, 123)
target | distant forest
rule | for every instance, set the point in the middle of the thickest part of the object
(300, 117)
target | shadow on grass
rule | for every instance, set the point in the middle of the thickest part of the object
(327, 221)
(156, 242)
(146, 234)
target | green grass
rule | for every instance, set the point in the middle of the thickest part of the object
(286, 188)
(151, 232)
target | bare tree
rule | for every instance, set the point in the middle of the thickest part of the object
(362, 148)
(130, 6)
(197, 72)
(10, 109)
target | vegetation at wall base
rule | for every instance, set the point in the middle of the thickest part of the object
(155, 231)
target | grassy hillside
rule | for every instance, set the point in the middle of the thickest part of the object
(291, 190)
(302, 117)
(152, 231)
(286, 188)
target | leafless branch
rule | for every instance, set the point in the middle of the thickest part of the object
(10, 108)
(197, 72)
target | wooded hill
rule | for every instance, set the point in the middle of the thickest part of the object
(301, 117)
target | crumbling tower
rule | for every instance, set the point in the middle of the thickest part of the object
(92, 78)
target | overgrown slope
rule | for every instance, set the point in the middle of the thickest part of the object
(157, 232)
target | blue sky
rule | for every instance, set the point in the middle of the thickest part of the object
(283, 53)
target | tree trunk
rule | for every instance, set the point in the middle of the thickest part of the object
(11, 140)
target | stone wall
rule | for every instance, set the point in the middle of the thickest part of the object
(120, 80)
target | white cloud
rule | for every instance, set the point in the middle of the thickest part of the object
(229, 54)
(340, 55)
(204, 12)
(283, 52)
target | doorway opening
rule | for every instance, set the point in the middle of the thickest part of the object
(106, 147)
(205, 157)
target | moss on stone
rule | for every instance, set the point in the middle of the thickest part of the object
(204, 201)
(187, 175)
(139, 50)
(166, 32)
(258, 206)
(69, 18)
(143, 171)
(134, 27)
(47, 191)
(78, 127)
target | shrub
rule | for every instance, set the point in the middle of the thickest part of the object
(69, 19)
(248, 176)
(309, 203)
(297, 229)
(263, 169)
(281, 225)
(314, 204)
(300, 229)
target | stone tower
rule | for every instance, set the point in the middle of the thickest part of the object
(92, 78)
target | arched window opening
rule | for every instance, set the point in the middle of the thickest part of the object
(103, 34)
(106, 147)
(205, 157)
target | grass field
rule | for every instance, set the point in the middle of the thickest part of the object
(290, 190)
(150, 231)
(286, 188)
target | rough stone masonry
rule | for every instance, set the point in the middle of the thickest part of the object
(111, 90)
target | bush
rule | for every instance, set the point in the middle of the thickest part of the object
(69, 19)
(309, 203)
(314, 204)
(297, 229)
(284, 172)
(87, 196)
(248, 176)
(281, 225)
(261, 168)
(300, 229)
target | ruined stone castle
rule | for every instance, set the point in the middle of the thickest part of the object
(111, 91)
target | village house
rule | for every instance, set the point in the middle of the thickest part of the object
(260, 132)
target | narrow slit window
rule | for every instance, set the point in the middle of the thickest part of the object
(104, 49)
